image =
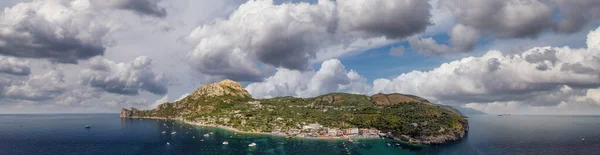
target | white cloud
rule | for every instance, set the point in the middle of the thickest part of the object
(332, 77)
(570, 79)
(160, 101)
(37, 87)
(124, 78)
(508, 79)
(63, 31)
(14, 66)
(291, 35)
(509, 19)
(182, 96)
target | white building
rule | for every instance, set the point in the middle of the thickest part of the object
(314, 126)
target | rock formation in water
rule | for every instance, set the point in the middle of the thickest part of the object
(128, 113)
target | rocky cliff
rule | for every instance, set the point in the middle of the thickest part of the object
(128, 113)
(225, 87)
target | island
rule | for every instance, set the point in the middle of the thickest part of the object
(227, 104)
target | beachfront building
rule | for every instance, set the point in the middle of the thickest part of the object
(293, 131)
(332, 132)
(363, 131)
(314, 126)
(353, 131)
(373, 132)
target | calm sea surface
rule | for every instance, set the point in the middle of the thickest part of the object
(65, 134)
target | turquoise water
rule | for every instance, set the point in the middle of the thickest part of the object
(65, 134)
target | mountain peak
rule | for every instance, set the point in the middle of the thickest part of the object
(225, 87)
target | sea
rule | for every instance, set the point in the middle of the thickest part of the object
(58, 134)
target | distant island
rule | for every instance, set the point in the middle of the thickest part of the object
(227, 104)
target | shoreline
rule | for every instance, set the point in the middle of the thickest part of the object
(259, 133)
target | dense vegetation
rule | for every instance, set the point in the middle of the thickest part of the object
(332, 110)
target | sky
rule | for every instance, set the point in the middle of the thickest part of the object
(533, 57)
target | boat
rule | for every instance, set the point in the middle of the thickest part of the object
(389, 144)
(206, 135)
(194, 137)
(87, 126)
(583, 139)
(225, 143)
(201, 140)
(212, 133)
(350, 140)
(168, 143)
(252, 144)
(173, 132)
(164, 132)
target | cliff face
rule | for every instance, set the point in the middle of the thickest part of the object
(128, 113)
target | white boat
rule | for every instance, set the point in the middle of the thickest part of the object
(389, 144)
(252, 144)
(194, 137)
(168, 143)
(206, 135)
(350, 140)
(225, 143)
(201, 140)
(212, 133)
(164, 132)
(173, 132)
(87, 126)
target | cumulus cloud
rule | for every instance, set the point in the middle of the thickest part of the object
(510, 19)
(37, 87)
(429, 46)
(124, 78)
(14, 66)
(290, 35)
(391, 18)
(498, 77)
(332, 77)
(571, 80)
(63, 31)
